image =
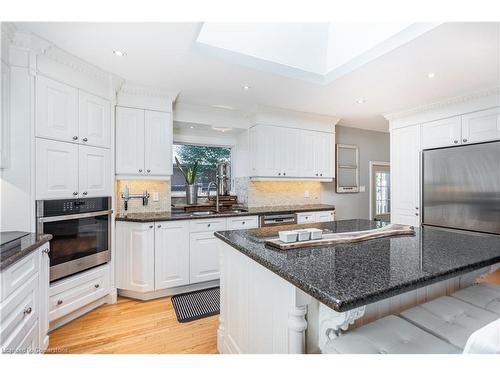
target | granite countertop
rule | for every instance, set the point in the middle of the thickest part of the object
(182, 215)
(26, 245)
(351, 275)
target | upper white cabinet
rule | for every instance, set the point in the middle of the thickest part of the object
(441, 133)
(143, 142)
(56, 110)
(64, 113)
(481, 126)
(281, 152)
(171, 254)
(94, 172)
(405, 175)
(94, 120)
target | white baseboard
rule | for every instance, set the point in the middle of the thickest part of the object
(167, 292)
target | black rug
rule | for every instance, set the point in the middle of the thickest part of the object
(196, 305)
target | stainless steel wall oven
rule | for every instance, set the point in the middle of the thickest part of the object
(81, 230)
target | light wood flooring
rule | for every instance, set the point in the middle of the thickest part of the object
(135, 327)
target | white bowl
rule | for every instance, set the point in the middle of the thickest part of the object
(288, 236)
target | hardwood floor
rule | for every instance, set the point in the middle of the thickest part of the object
(135, 327)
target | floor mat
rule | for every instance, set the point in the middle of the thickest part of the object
(196, 305)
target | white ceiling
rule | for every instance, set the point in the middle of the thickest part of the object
(463, 56)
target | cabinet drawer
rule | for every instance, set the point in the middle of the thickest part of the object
(247, 222)
(16, 275)
(325, 216)
(18, 313)
(305, 217)
(207, 225)
(28, 344)
(68, 295)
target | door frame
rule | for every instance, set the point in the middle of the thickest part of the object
(371, 165)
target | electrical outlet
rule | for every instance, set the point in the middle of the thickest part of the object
(362, 188)
(156, 196)
(306, 194)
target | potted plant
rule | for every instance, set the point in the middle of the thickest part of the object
(190, 177)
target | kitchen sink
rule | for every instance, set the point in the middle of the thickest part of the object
(238, 211)
(202, 213)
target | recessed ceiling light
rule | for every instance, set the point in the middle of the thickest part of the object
(246, 87)
(431, 75)
(361, 101)
(221, 129)
(191, 127)
(222, 106)
(119, 53)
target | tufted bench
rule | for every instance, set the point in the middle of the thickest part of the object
(440, 326)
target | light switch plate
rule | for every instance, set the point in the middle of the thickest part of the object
(362, 189)
(156, 196)
(306, 194)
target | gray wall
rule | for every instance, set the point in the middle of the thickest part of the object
(373, 146)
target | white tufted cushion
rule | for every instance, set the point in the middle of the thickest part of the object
(486, 296)
(485, 340)
(390, 335)
(449, 318)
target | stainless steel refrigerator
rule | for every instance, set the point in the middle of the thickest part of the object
(461, 187)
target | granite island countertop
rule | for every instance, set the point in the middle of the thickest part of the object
(351, 275)
(145, 217)
(25, 246)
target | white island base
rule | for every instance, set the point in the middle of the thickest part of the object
(263, 313)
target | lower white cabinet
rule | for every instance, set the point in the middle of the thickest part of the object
(171, 260)
(315, 217)
(204, 257)
(135, 256)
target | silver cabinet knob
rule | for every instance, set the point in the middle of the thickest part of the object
(416, 213)
(75, 193)
(455, 141)
(46, 251)
(84, 193)
(208, 225)
(464, 140)
(284, 174)
(316, 174)
(149, 170)
(243, 223)
(59, 302)
(96, 286)
(85, 139)
(321, 174)
(279, 174)
(416, 208)
(75, 137)
(140, 170)
(151, 227)
(159, 225)
(27, 311)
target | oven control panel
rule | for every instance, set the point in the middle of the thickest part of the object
(58, 207)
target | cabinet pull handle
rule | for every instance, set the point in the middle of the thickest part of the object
(75, 137)
(84, 193)
(465, 140)
(149, 170)
(27, 310)
(416, 208)
(96, 286)
(455, 141)
(75, 193)
(159, 225)
(85, 139)
(316, 174)
(279, 174)
(151, 226)
(284, 174)
(243, 223)
(208, 225)
(46, 251)
(59, 302)
(416, 213)
(140, 170)
(321, 174)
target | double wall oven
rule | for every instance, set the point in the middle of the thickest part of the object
(81, 230)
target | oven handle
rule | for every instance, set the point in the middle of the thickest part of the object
(74, 216)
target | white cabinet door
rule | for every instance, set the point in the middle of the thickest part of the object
(204, 257)
(56, 110)
(135, 254)
(441, 133)
(323, 151)
(324, 216)
(171, 254)
(306, 217)
(129, 141)
(94, 172)
(405, 175)
(288, 152)
(307, 158)
(481, 126)
(266, 150)
(43, 323)
(56, 169)
(158, 143)
(94, 120)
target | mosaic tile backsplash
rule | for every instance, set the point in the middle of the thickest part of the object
(162, 187)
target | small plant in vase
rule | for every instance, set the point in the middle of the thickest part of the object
(190, 177)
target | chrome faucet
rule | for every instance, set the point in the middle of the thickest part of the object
(217, 209)
(126, 196)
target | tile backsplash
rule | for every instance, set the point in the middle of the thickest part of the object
(162, 187)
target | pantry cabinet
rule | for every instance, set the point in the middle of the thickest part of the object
(143, 142)
(288, 153)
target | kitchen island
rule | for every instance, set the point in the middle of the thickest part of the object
(295, 301)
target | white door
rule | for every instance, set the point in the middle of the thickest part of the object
(323, 153)
(94, 172)
(405, 175)
(94, 120)
(441, 133)
(129, 141)
(204, 257)
(56, 110)
(158, 143)
(171, 254)
(56, 169)
(135, 256)
(307, 159)
(481, 126)
(380, 191)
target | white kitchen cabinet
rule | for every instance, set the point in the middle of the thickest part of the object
(56, 169)
(405, 175)
(135, 252)
(44, 296)
(305, 218)
(56, 110)
(204, 257)
(307, 161)
(158, 141)
(129, 141)
(247, 222)
(171, 250)
(94, 172)
(324, 151)
(315, 217)
(481, 126)
(441, 133)
(94, 120)
(265, 151)
(143, 142)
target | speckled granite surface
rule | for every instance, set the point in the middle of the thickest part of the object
(167, 215)
(351, 275)
(27, 244)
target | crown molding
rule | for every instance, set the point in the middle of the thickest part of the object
(8, 32)
(147, 92)
(474, 95)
